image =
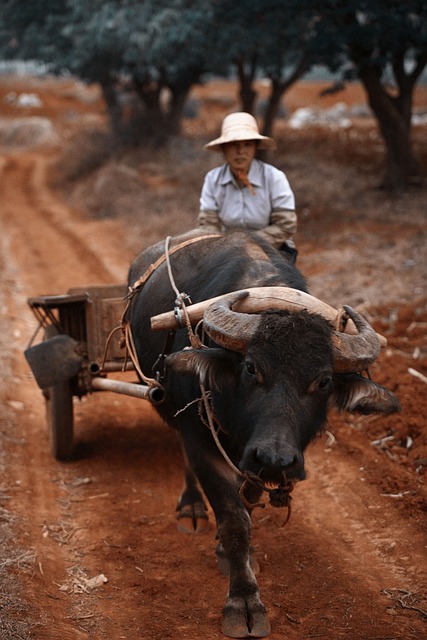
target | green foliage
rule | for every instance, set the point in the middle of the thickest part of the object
(176, 41)
(168, 40)
(30, 29)
(385, 35)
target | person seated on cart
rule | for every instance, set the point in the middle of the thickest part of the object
(245, 192)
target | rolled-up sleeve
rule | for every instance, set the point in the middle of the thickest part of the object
(283, 218)
(209, 220)
(282, 228)
(208, 217)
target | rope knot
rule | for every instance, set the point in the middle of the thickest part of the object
(179, 310)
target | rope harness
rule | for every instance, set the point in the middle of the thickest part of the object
(182, 299)
(278, 496)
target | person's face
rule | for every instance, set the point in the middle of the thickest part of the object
(239, 154)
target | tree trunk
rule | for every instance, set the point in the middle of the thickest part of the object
(247, 92)
(150, 125)
(279, 86)
(394, 120)
(277, 91)
(113, 106)
(176, 108)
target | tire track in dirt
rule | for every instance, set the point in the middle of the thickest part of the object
(44, 251)
(37, 220)
(360, 524)
(33, 496)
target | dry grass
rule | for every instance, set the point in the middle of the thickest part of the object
(13, 606)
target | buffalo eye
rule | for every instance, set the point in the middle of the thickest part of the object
(250, 367)
(322, 383)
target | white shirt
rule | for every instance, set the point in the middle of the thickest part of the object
(238, 207)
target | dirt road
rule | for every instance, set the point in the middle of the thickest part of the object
(89, 548)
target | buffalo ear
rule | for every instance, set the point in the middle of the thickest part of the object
(212, 366)
(356, 394)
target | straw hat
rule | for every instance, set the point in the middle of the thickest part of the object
(240, 126)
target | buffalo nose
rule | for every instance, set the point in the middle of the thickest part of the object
(273, 464)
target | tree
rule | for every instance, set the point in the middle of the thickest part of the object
(163, 47)
(273, 39)
(168, 50)
(386, 44)
(144, 49)
(66, 36)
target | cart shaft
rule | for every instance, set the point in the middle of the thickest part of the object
(153, 394)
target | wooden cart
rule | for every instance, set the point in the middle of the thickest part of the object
(74, 359)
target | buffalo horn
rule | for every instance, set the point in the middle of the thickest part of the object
(355, 352)
(226, 327)
(233, 330)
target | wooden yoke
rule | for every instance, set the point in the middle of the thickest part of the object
(262, 299)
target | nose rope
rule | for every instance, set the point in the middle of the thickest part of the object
(210, 424)
(279, 496)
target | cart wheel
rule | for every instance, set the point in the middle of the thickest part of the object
(59, 413)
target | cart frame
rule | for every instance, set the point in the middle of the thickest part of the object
(76, 354)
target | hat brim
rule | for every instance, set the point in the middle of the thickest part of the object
(264, 142)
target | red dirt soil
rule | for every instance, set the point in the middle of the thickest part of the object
(351, 563)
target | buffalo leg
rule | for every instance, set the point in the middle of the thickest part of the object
(191, 509)
(244, 615)
(252, 495)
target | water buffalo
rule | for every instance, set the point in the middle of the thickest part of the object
(270, 378)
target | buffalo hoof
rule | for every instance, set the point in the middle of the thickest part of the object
(224, 566)
(245, 619)
(193, 518)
